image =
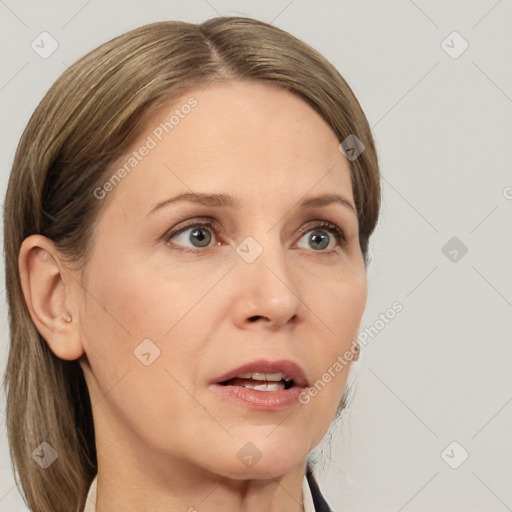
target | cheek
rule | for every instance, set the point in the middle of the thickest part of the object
(132, 302)
(339, 306)
(132, 316)
(137, 300)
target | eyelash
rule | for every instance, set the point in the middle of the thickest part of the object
(214, 227)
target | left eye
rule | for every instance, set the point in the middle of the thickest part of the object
(320, 236)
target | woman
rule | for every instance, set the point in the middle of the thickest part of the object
(186, 233)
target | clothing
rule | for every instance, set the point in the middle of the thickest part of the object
(320, 505)
(313, 499)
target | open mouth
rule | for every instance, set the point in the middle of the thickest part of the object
(261, 381)
(262, 384)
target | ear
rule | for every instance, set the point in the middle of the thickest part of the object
(50, 290)
(357, 346)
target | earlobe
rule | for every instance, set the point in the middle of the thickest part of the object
(48, 292)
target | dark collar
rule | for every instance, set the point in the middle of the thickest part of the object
(318, 500)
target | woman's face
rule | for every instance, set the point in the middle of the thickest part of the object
(250, 278)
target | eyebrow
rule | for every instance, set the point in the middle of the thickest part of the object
(227, 201)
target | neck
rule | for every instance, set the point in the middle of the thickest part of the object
(134, 482)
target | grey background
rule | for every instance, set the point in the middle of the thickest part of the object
(440, 370)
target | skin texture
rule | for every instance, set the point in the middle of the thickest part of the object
(165, 440)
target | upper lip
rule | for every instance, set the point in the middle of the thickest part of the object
(288, 368)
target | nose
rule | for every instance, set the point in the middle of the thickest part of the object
(266, 294)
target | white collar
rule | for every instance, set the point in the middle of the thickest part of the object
(90, 504)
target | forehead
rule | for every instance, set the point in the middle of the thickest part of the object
(246, 139)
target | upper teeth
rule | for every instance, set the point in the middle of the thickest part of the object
(262, 376)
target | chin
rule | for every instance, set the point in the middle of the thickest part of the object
(274, 467)
(262, 458)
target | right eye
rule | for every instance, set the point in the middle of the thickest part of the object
(198, 235)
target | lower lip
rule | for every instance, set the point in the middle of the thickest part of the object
(262, 400)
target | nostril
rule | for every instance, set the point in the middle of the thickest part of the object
(256, 317)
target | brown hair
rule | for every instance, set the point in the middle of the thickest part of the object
(83, 125)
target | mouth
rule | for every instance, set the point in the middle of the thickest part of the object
(261, 381)
(263, 384)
